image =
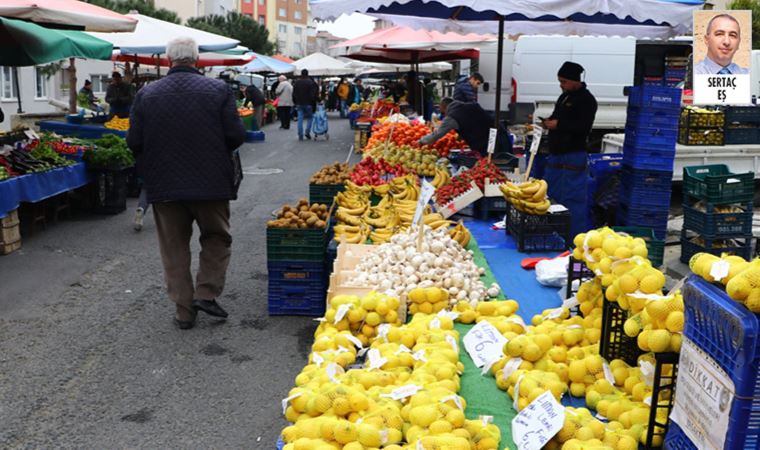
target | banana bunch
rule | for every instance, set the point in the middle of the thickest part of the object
(441, 176)
(359, 221)
(720, 209)
(461, 234)
(529, 197)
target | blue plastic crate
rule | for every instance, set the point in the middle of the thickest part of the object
(654, 218)
(652, 137)
(676, 439)
(602, 165)
(254, 136)
(730, 334)
(647, 179)
(654, 118)
(648, 159)
(299, 300)
(295, 271)
(655, 97)
(672, 72)
(715, 224)
(638, 197)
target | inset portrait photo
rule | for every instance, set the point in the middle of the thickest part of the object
(722, 57)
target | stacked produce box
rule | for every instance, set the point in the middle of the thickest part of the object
(648, 154)
(675, 70)
(701, 126)
(717, 211)
(296, 242)
(742, 125)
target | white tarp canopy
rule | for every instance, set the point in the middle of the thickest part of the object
(319, 64)
(151, 36)
(435, 67)
(640, 18)
(70, 13)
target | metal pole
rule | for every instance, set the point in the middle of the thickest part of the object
(18, 89)
(499, 62)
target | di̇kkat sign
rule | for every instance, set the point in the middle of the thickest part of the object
(722, 57)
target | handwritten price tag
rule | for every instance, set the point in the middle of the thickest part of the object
(484, 343)
(491, 140)
(426, 193)
(535, 425)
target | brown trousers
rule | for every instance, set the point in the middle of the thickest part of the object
(174, 222)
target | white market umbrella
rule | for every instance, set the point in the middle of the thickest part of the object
(319, 64)
(67, 13)
(151, 36)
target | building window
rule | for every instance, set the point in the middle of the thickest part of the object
(297, 30)
(7, 84)
(282, 28)
(297, 15)
(282, 13)
(297, 49)
(246, 1)
(261, 2)
(99, 83)
(42, 83)
(262, 20)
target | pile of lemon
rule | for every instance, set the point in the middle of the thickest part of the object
(404, 396)
(740, 277)
(428, 300)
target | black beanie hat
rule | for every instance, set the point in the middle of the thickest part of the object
(570, 71)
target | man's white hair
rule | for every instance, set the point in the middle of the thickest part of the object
(182, 50)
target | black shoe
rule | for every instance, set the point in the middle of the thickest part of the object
(308, 136)
(210, 307)
(184, 324)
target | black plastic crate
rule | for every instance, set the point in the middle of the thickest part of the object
(110, 193)
(537, 233)
(655, 246)
(742, 115)
(664, 388)
(714, 224)
(693, 119)
(324, 193)
(296, 244)
(490, 207)
(737, 245)
(576, 271)
(701, 136)
(614, 343)
(741, 135)
(715, 184)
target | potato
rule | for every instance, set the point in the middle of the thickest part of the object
(319, 224)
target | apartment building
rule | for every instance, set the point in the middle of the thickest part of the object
(186, 9)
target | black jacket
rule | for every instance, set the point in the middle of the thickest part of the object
(474, 125)
(254, 96)
(305, 92)
(575, 112)
(183, 129)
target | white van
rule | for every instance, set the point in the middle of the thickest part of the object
(531, 65)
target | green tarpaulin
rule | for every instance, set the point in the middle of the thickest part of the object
(28, 44)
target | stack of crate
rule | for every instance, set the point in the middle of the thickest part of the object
(675, 70)
(742, 125)
(717, 210)
(296, 266)
(10, 235)
(701, 126)
(648, 153)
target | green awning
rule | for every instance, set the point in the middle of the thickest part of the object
(28, 44)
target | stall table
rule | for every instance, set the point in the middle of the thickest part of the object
(36, 187)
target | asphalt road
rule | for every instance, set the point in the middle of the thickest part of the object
(89, 357)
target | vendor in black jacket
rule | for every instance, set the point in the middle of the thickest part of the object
(569, 127)
(473, 124)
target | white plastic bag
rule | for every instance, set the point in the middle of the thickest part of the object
(552, 272)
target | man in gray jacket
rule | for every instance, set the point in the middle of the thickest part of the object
(183, 130)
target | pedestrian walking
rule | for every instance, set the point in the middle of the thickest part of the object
(305, 92)
(142, 208)
(343, 92)
(183, 131)
(255, 97)
(466, 88)
(284, 101)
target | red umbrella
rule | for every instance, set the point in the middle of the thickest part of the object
(407, 56)
(401, 38)
(67, 13)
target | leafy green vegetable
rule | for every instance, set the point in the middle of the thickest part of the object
(111, 152)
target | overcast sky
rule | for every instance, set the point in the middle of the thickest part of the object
(348, 27)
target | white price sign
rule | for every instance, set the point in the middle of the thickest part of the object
(484, 343)
(426, 193)
(538, 132)
(535, 425)
(722, 89)
(492, 140)
(704, 398)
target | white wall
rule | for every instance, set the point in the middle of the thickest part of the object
(290, 39)
(219, 7)
(56, 88)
